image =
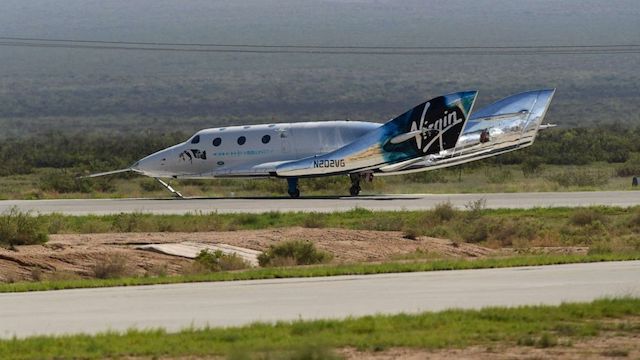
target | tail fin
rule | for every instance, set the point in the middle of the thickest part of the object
(426, 129)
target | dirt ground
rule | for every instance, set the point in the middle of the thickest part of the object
(75, 255)
(609, 346)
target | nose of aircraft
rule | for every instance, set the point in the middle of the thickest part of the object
(151, 165)
(158, 164)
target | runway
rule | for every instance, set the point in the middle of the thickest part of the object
(322, 204)
(175, 307)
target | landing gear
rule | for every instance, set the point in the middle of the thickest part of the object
(293, 190)
(172, 190)
(354, 190)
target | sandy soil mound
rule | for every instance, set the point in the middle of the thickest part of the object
(604, 346)
(76, 254)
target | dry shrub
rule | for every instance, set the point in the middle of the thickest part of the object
(36, 274)
(132, 222)
(282, 261)
(314, 221)
(582, 217)
(214, 261)
(475, 232)
(62, 275)
(580, 177)
(94, 226)
(233, 262)
(634, 219)
(303, 252)
(444, 211)
(112, 266)
(475, 208)
(18, 227)
(506, 234)
(509, 232)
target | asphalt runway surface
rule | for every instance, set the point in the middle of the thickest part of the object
(178, 306)
(322, 204)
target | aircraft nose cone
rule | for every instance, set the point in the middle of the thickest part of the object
(149, 165)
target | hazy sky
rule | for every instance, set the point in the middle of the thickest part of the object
(64, 82)
(413, 22)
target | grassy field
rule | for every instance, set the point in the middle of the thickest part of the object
(489, 178)
(322, 270)
(534, 326)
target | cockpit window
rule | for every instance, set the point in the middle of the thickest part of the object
(196, 139)
(217, 141)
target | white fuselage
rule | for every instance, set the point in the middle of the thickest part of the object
(249, 150)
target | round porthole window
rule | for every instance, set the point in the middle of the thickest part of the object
(220, 163)
(242, 140)
(217, 141)
(266, 139)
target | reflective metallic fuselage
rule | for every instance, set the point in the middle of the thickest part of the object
(259, 150)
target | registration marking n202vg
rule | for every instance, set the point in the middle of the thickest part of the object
(329, 163)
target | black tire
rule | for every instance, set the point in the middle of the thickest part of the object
(294, 194)
(354, 190)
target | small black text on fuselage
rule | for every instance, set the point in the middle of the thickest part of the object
(329, 163)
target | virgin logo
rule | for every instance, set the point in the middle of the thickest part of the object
(433, 131)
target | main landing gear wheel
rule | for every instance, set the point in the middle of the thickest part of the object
(354, 190)
(294, 194)
(293, 190)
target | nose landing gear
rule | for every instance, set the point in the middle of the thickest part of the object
(171, 189)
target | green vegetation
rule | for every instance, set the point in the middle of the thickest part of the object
(322, 270)
(539, 326)
(616, 229)
(214, 261)
(20, 228)
(295, 252)
(53, 170)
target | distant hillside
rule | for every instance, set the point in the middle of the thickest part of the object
(123, 91)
